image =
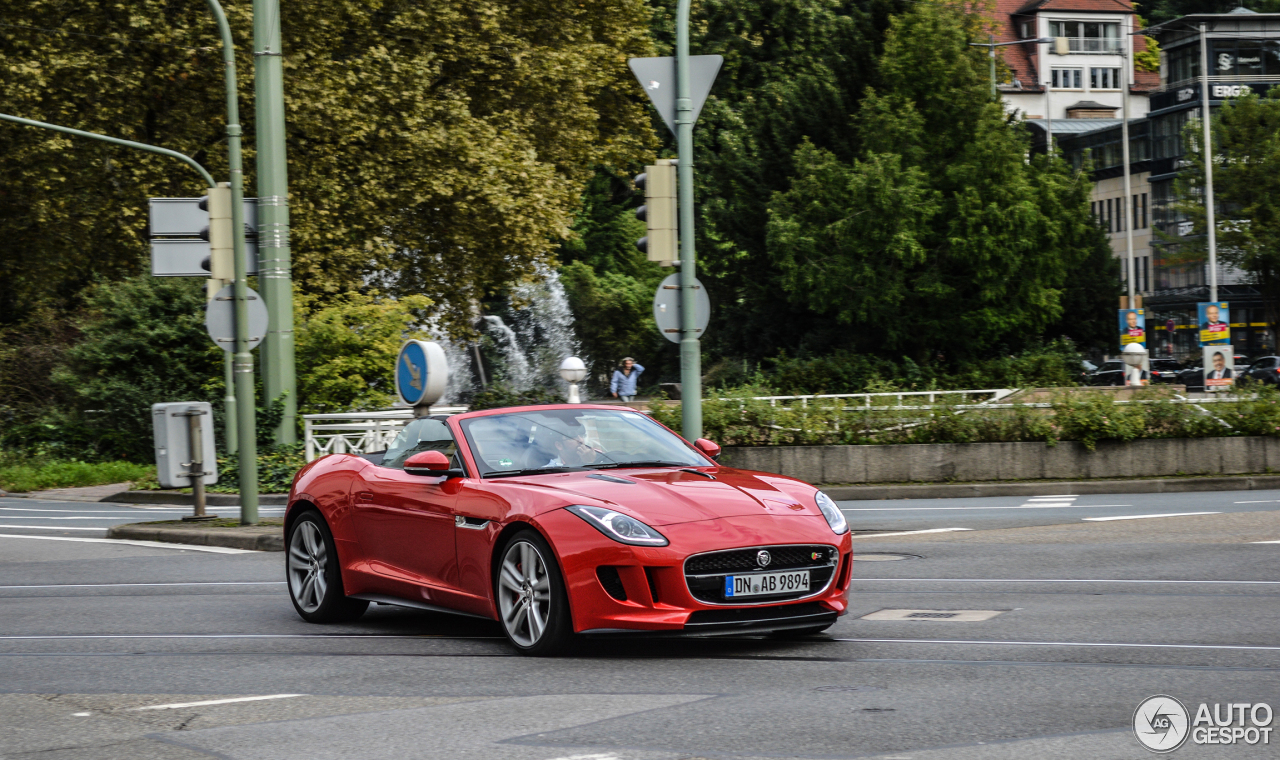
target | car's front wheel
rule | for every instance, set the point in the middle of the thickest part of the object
(315, 577)
(532, 604)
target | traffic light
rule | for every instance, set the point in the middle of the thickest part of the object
(221, 261)
(659, 211)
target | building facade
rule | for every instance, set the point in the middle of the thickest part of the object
(1244, 56)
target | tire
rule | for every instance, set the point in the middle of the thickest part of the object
(800, 633)
(314, 574)
(529, 590)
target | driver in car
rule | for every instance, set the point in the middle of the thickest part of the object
(571, 448)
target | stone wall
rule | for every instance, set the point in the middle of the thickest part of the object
(943, 462)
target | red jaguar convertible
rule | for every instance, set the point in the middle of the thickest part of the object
(563, 520)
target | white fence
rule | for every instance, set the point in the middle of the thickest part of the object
(986, 396)
(358, 432)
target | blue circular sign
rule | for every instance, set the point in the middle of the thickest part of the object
(412, 372)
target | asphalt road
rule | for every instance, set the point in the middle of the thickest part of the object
(112, 650)
(1022, 511)
(91, 519)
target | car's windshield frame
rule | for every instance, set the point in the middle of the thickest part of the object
(602, 461)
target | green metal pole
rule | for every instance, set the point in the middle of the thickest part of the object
(243, 362)
(229, 402)
(274, 276)
(208, 178)
(690, 349)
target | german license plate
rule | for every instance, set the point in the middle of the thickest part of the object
(766, 583)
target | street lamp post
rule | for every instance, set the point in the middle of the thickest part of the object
(690, 350)
(991, 46)
(1126, 53)
(1206, 150)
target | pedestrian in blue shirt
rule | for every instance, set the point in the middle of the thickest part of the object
(623, 385)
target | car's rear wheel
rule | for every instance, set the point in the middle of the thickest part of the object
(532, 604)
(314, 574)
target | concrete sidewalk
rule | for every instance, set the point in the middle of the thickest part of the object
(268, 536)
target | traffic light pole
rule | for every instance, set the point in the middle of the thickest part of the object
(274, 278)
(690, 349)
(188, 160)
(243, 360)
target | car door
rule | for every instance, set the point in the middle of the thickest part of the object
(405, 522)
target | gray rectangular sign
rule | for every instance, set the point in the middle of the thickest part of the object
(182, 217)
(181, 258)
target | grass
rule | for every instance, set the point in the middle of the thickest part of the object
(32, 474)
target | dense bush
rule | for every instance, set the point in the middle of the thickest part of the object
(737, 420)
(21, 474)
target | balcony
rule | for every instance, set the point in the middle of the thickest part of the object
(1090, 46)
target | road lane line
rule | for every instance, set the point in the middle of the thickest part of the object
(1143, 517)
(114, 585)
(1264, 542)
(180, 705)
(129, 542)
(910, 532)
(1237, 647)
(118, 516)
(67, 636)
(49, 527)
(78, 511)
(1268, 501)
(1062, 580)
(1019, 506)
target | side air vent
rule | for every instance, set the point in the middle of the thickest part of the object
(612, 582)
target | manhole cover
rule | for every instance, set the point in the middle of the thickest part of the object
(882, 557)
(849, 687)
(948, 616)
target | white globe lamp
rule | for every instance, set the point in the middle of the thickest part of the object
(1135, 356)
(573, 371)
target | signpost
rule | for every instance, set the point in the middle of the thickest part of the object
(693, 77)
(422, 374)
(220, 318)
(177, 247)
(666, 308)
(183, 444)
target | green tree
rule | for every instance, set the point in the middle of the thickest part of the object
(939, 238)
(1246, 186)
(436, 147)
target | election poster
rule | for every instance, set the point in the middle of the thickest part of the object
(1215, 324)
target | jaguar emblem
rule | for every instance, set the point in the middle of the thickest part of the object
(763, 558)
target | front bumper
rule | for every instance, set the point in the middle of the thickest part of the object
(649, 591)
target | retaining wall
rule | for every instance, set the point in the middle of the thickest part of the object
(1069, 460)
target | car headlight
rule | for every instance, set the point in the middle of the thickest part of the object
(621, 528)
(835, 518)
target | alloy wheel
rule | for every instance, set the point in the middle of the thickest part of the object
(524, 594)
(308, 560)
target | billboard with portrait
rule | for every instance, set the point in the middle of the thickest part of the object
(1133, 327)
(1219, 368)
(1214, 323)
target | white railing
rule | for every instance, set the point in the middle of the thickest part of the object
(1094, 45)
(993, 395)
(357, 432)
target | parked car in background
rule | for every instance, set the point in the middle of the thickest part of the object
(1110, 373)
(1264, 370)
(1165, 371)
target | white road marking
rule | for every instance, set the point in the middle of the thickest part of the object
(49, 527)
(180, 705)
(1143, 517)
(1059, 580)
(1240, 647)
(118, 516)
(81, 715)
(1020, 506)
(912, 532)
(62, 636)
(1264, 542)
(1060, 496)
(114, 585)
(1269, 501)
(75, 511)
(129, 542)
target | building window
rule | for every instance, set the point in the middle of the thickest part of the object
(1026, 29)
(1088, 36)
(1104, 79)
(1067, 79)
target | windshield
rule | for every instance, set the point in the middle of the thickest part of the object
(572, 439)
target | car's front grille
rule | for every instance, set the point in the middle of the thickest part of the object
(705, 573)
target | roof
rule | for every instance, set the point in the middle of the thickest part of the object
(1077, 126)
(1089, 104)
(1023, 59)
(1234, 16)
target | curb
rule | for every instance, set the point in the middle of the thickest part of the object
(187, 500)
(1051, 488)
(262, 540)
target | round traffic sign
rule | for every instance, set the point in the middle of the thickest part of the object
(666, 308)
(422, 372)
(220, 319)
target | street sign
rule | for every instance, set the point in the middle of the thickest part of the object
(178, 257)
(175, 225)
(658, 78)
(219, 319)
(422, 372)
(182, 217)
(666, 308)
(171, 428)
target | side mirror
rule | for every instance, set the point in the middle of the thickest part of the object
(710, 448)
(427, 463)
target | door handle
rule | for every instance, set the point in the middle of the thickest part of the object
(364, 496)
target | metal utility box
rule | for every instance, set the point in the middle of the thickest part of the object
(172, 425)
